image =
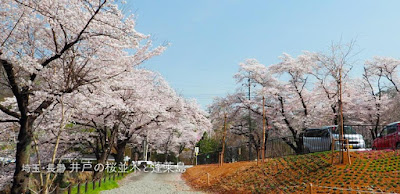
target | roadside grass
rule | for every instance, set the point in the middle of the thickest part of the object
(108, 185)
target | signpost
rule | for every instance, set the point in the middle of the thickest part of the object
(126, 159)
(196, 151)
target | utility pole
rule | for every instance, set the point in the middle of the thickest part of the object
(250, 134)
(223, 141)
(263, 136)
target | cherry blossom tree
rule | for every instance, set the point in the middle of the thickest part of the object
(385, 67)
(50, 48)
(100, 108)
(134, 103)
(192, 124)
(339, 58)
(380, 87)
(302, 91)
(183, 128)
(151, 102)
(290, 98)
(8, 139)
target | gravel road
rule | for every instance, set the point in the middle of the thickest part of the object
(152, 183)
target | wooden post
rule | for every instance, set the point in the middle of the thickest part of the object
(94, 184)
(57, 188)
(219, 159)
(69, 189)
(348, 152)
(310, 188)
(100, 182)
(79, 188)
(223, 141)
(258, 155)
(86, 186)
(341, 134)
(208, 179)
(114, 176)
(263, 137)
(333, 149)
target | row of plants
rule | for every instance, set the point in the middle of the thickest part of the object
(371, 171)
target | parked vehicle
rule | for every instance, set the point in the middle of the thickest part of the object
(356, 141)
(389, 138)
(320, 139)
(317, 140)
(143, 164)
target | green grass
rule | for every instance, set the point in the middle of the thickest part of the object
(109, 184)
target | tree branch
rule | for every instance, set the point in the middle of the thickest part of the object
(45, 104)
(67, 46)
(9, 121)
(9, 112)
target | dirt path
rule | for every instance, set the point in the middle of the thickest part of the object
(152, 183)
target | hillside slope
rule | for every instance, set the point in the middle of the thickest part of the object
(370, 171)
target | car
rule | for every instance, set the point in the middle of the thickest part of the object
(143, 164)
(389, 138)
(356, 141)
(317, 140)
(320, 139)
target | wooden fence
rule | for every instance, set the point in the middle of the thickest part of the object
(94, 184)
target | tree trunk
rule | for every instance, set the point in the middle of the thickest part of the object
(336, 118)
(166, 156)
(105, 152)
(374, 135)
(101, 160)
(298, 148)
(20, 181)
(119, 156)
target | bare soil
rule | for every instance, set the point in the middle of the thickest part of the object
(369, 171)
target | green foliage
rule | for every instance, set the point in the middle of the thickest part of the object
(69, 125)
(207, 145)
